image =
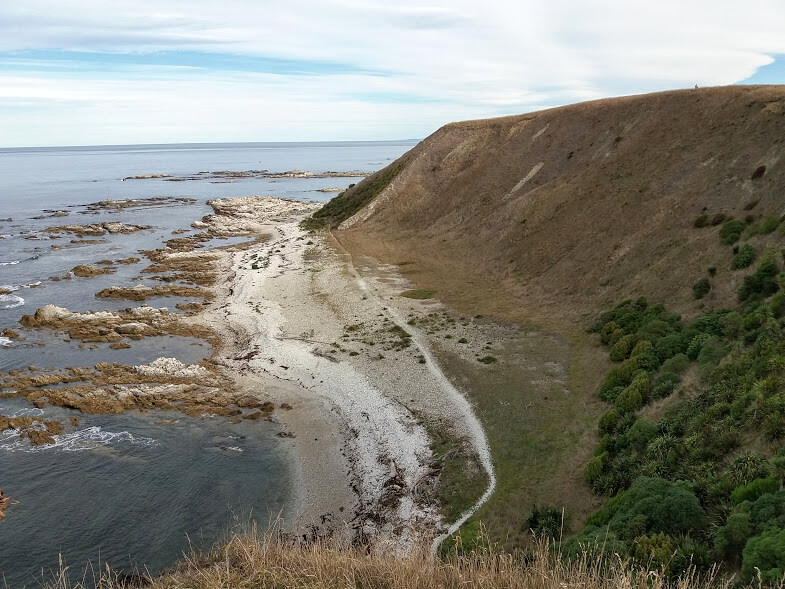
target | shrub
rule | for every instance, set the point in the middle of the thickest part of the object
(669, 346)
(629, 399)
(748, 467)
(731, 231)
(663, 384)
(712, 351)
(640, 348)
(655, 551)
(732, 325)
(768, 224)
(762, 283)
(696, 344)
(622, 348)
(676, 364)
(731, 538)
(717, 219)
(648, 360)
(777, 305)
(641, 433)
(610, 395)
(616, 336)
(607, 330)
(712, 270)
(659, 505)
(608, 421)
(348, 202)
(654, 330)
(752, 491)
(744, 258)
(765, 553)
(701, 288)
(545, 522)
(594, 468)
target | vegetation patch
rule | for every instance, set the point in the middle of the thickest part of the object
(744, 258)
(731, 231)
(350, 201)
(701, 482)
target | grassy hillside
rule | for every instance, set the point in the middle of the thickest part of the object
(551, 218)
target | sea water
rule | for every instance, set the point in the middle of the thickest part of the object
(135, 489)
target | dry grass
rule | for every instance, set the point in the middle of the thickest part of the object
(274, 561)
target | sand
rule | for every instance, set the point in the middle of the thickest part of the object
(289, 312)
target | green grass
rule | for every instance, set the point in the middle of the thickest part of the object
(350, 201)
(536, 433)
(462, 480)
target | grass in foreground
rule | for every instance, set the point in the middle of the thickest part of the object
(273, 561)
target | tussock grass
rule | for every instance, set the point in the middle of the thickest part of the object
(271, 560)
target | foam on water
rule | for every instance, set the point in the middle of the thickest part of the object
(4, 342)
(9, 301)
(84, 439)
(13, 263)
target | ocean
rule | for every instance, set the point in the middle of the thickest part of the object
(137, 489)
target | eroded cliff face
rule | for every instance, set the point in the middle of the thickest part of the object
(551, 216)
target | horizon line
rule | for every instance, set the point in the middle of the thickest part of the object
(205, 143)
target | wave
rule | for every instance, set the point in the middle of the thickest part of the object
(80, 440)
(13, 263)
(9, 301)
(4, 342)
(24, 412)
(13, 287)
(4, 236)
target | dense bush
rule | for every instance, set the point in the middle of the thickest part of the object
(545, 522)
(744, 258)
(731, 231)
(701, 288)
(765, 553)
(767, 225)
(622, 348)
(737, 401)
(676, 364)
(762, 283)
(651, 505)
(754, 490)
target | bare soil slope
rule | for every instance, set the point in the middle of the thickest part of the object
(552, 216)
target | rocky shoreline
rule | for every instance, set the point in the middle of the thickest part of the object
(298, 340)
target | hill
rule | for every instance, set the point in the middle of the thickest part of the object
(568, 210)
(654, 222)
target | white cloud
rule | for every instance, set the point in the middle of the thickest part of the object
(455, 60)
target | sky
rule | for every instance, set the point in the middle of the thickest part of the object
(97, 72)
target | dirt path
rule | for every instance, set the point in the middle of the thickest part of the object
(474, 428)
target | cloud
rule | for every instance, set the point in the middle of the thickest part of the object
(346, 69)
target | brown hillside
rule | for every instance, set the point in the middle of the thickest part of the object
(552, 216)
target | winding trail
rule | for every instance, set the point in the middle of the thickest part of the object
(476, 432)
